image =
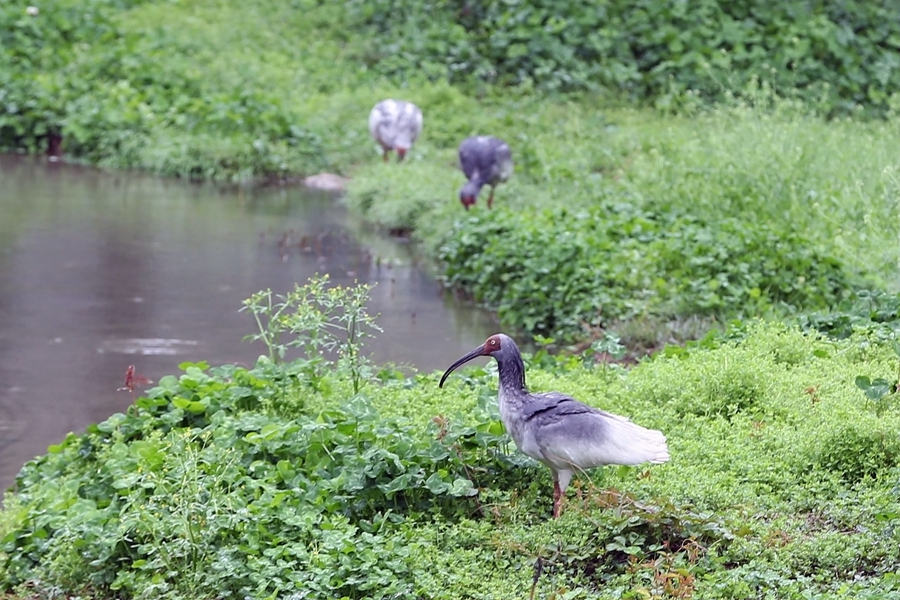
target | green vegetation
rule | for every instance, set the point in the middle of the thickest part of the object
(660, 220)
(840, 56)
(206, 90)
(281, 480)
(331, 478)
(628, 216)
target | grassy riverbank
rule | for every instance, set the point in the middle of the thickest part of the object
(340, 480)
(658, 220)
(616, 217)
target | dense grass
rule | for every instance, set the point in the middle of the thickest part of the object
(197, 89)
(760, 209)
(782, 484)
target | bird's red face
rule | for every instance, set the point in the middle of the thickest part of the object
(467, 201)
(401, 152)
(491, 345)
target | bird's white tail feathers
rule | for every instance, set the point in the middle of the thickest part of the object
(627, 443)
(615, 441)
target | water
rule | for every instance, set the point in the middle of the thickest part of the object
(100, 270)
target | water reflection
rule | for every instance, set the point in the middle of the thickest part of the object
(99, 271)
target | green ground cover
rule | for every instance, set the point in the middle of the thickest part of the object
(303, 477)
(624, 215)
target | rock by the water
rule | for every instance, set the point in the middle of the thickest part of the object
(328, 182)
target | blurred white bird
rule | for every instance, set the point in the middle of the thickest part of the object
(395, 124)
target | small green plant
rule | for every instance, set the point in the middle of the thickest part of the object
(605, 350)
(318, 319)
(880, 390)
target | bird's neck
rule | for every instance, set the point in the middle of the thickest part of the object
(512, 374)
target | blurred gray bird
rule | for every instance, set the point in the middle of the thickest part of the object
(559, 431)
(395, 125)
(485, 160)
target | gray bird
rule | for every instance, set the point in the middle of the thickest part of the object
(395, 124)
(485, 160)
(559, 431)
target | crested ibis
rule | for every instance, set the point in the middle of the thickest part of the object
(485, 160)
(566, 435)
(395, 125)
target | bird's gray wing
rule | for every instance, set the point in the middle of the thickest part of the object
(381, 119)
(546, 408)
(502, 165)
(470, 151)
(573, 435)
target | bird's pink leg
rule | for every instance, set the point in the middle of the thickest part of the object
(557, 494)
(386, 152)
(491, 198)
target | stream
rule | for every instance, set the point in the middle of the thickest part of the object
(100, 270)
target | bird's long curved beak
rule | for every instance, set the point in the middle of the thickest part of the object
(479, 351)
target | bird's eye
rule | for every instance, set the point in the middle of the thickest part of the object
(493, 342)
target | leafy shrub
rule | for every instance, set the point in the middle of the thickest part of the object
(117, 93)
(196, 483)
(554, 273)
(865, 310)
(41, 53)
(840, 56)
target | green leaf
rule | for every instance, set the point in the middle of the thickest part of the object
(397, 484)
(192, 406)
(879, 388)
(896, 346)
(462, 487)
(169, 383)
(285, 470)
(436, 484)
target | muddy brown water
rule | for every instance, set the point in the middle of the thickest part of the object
(99, 271)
